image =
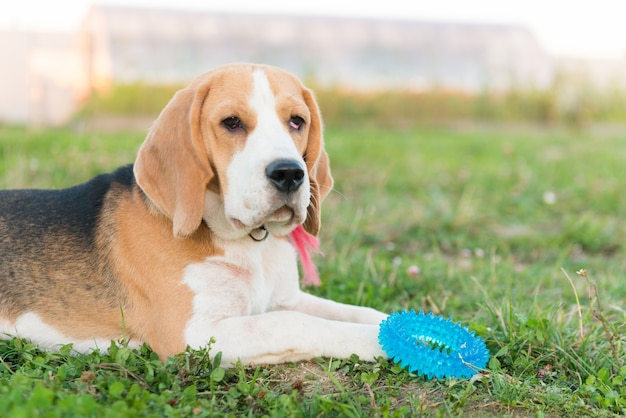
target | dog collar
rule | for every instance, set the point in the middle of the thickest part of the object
(259, 234)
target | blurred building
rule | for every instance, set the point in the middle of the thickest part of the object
(173, 46)
(44, 77)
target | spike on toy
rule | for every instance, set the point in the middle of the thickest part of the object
(432, 346)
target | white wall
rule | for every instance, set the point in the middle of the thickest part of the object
(41, 80)
(14, 85)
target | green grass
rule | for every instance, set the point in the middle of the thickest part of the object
(499, 221)
(571, 99)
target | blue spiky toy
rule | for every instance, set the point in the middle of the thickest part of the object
(432, 346)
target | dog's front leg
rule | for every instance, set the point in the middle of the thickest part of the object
(328, 309)
(281, 336)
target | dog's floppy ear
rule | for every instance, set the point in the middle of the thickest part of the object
(318, 166)
(172, 166)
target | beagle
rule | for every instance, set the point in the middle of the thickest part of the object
(191, 242)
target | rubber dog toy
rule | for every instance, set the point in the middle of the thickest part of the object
(432, 346)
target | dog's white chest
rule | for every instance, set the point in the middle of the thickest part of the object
(249, 279)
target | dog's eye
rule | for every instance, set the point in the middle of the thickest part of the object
(296, 123)
(233, 123)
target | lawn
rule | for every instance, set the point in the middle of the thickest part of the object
(516, 231)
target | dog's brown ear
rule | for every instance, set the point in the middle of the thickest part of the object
(172, 166)
(318, 166)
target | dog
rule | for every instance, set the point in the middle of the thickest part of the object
(190, 243)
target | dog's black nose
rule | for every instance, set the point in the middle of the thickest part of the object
(286, 175)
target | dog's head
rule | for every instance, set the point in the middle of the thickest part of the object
(240, 147)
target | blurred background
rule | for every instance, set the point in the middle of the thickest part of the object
(116, 63)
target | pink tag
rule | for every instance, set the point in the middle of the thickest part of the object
(305, 243)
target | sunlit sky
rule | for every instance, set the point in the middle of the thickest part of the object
(571, 28)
